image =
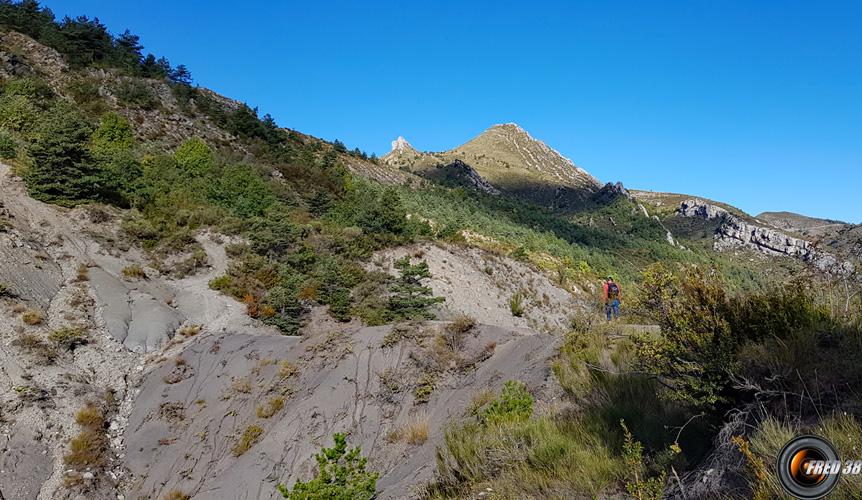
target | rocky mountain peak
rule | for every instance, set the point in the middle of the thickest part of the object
(401, 146)
(509, 145)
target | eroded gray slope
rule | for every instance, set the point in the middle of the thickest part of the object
(43, 249)
(188, 416)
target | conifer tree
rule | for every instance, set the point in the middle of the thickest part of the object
(411, 299)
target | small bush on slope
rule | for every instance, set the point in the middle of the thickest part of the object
(341, 475)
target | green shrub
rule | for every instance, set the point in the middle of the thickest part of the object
(194, 157)
(86, 93)
(242, 191)
(705, 332)
(69, 338)
(341, 475)
(639, 486)
(8, 146)
(514, 403)
(136, 93)
(424, 388)
(18, 113)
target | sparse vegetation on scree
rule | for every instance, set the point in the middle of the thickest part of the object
(745, 356)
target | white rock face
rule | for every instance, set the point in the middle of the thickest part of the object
(735, 232)
(401, 145)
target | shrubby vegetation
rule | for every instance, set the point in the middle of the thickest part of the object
(341, 475)
(742, 371)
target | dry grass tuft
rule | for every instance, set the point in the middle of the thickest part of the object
(134, 271)
(241, 385)
(286, 369)
(89, 448)
(176, 495)
(90, 417)
(414, 432)
(190, 330)
(463, 323)
(32, 317)
(83, 273)
(250, 437)
(455, 331)
(273, 406)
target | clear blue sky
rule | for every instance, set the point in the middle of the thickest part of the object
(755, 103)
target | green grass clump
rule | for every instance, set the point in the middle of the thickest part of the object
(526, 458)
(68, 338)
(516, 304)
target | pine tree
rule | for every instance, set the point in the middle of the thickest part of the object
(410, 299)
(128, 50)
(63, 169)
(341, 475)
(180, 74)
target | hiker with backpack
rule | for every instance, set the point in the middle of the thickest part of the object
(612, 295)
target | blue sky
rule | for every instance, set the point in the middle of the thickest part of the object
(756, 103)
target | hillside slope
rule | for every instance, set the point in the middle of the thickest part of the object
(194, 300)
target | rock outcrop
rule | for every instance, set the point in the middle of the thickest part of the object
(462, 174)
(610, 191)
(733, 231)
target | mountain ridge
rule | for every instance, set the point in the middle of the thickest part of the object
(510, 160)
